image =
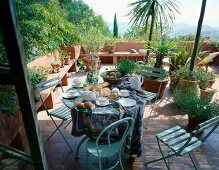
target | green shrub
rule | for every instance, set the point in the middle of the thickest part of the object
(126, 66)
(190, 103)
(37, 76)
(213, 43)
(8, 101)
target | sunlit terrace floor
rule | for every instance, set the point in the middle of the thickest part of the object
(59, 156)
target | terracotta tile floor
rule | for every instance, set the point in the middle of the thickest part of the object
(59, 156)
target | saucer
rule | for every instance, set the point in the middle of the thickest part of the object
(127, 102)
(77, 85)
(105, 104)
(70, 95)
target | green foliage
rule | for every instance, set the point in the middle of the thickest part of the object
(55, 62)
(63, 54)
(115, 27)
(92, 76)
(182, 56)
(93, 41)
(155, 11)
(3, 53)
(137, 32)
(190, 103)
(44, 28)
(185, 73)
(37, 75)
(213, 43)
(110, 42)
(161, 48)
(8, 101)
(204, 77)
(126, 66)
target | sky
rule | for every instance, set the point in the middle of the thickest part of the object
(189, 9)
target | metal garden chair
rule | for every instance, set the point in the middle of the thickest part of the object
(157, 73)
(180, 142)
(109, 148)
(62, 112)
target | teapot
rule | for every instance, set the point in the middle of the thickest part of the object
(88, 95)
(136, 81)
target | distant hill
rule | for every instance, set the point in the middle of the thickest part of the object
(178, 29)
(186, 29)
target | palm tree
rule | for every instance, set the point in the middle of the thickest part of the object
(156, 12)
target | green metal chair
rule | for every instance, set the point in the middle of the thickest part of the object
(180, 142)
(157, 73)
(109, 148)
(63, 112)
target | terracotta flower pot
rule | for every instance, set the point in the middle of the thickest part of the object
(91, 62)
(153, 85)
(207, 94)
(193, 121)
(185, 84)
(62, 63)
(173, 82)
(55, 68)
(111, 50)
(67, 60)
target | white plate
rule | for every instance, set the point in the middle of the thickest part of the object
(123, 94)
(69, 95)
(105, 104)
(127, 102)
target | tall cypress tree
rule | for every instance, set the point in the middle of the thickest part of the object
(115, 27)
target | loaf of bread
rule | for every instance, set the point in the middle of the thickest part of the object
(88, 105)
(106, 92)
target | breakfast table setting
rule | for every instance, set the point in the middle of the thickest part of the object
(94, 107)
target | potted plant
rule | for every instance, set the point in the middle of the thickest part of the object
(93, 41)
(198, 109)
(122, 69)
(212, 46)
(186, 77)
(55, 66)
(111, 44)
(162, 49)
(37, 75)
(92, 76)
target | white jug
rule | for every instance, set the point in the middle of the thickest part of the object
(136, 81)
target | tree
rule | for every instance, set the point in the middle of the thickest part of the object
(156, 12)
(115, 27)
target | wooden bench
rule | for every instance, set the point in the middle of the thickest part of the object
(113, 58)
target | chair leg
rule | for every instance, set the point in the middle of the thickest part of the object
(57, 128)
(193, 162)
(67, 124)
(163, 155)
(120, 161)
(79, 145)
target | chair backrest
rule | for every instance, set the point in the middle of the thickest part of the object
(48, 84)
(158, 73)
(126, 123)
(53, 82)
(212, 123)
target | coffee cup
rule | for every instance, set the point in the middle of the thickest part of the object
(124, 92)
(103, 100)
(76, 81)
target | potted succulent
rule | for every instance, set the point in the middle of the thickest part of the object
(36, 76)
(198, 109)
(162, 49)
(55, 66)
